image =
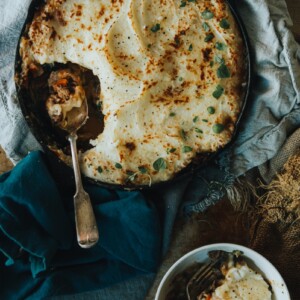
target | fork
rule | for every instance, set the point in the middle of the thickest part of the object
(201, 280)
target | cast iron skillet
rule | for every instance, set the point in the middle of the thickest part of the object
(41, 127)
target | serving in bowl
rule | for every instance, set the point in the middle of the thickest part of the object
(166, 82)
(254, 260)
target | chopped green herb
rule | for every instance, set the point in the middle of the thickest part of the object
(118, 166)
(177, 40)
(218, 128)
(99, 105)
(211, 110)
(100, 170)
(186, 149)
(204, 120)
(191, 0)
(191, 47)
(172, 150)
(205, 26)
(198, 130)
(172, 114)
(218, 92)
(183, 134)
(225, 24)
(223, 72)
(143, 170)
(149, 46)
(211, 63)
(209, 37)
(196, 119)
(220, 46)
(207, 14)
(131, 176)
(182, 4)
(155, 28)
(160, 164)
(219, 59)
(180, 78)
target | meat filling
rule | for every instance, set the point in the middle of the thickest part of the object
(66, 93)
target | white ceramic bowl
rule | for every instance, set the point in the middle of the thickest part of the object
(255, 261)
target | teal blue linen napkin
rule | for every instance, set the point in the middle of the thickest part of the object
(39, 255)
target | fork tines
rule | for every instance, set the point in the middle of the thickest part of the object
(201, 280)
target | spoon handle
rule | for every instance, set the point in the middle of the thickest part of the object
(86, 226)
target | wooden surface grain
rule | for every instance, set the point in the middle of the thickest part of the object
(5, 164)
(294, 10)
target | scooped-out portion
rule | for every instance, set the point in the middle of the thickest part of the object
(67, 103)
(172, 76)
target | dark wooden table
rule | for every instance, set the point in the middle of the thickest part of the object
(294, 9)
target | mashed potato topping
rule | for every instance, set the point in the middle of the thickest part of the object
(242, 283)
(171, 75)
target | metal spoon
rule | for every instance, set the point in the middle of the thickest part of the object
(86, 226)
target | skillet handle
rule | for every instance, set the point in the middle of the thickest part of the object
(86, 226)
